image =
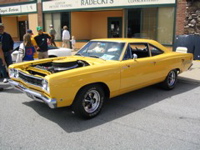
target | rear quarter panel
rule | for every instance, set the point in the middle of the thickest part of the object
(181, 61)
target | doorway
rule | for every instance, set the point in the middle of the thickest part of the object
(114, 27)
(22, 29)
(134, 23)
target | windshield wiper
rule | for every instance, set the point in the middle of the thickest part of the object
(96, 57)
(78, 54)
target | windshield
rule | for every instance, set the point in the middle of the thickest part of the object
(103, 50)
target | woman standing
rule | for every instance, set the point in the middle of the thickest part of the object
(26, 49)
(66, 37)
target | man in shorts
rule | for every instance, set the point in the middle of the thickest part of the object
(41, 43)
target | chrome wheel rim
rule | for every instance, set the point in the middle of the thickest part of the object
(91, 101)
(171, 78)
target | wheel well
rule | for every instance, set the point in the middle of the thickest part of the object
(103, 85)
(177, 70)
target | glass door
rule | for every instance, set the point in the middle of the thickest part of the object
(22, 29)
(114, 27)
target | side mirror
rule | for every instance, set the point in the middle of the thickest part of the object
(135, 56)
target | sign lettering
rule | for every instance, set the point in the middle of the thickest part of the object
(85, 4)
(96, 2)
(18, 9)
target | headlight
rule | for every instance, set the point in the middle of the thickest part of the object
(45, 85)
(13, 73)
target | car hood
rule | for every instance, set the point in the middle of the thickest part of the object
(54, 65)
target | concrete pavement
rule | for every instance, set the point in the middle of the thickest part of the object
(193, 74)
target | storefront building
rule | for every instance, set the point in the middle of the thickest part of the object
(17, 17)
(89, 19)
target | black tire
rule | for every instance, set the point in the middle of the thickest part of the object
(170, 82)
(89, 101)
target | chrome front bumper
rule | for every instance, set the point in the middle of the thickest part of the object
(33, 94)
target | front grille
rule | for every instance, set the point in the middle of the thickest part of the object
(30, 79)
(36, 73)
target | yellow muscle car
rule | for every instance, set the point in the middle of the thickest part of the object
(101, 69)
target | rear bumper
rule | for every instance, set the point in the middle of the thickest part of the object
(190, 66)
(52, 103)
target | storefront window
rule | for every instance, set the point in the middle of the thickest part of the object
(165, 25)
(57, 25)
(47, 22)
(152, 23)
(58, 20)
(149, 23)
(134, 23)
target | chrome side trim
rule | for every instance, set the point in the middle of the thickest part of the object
(52, 103)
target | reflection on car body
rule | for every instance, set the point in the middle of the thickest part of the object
(52, 51)
(84, 81)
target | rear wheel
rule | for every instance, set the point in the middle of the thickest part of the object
(89, 101)
(170, 82)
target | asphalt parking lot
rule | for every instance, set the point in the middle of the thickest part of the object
(149, 118)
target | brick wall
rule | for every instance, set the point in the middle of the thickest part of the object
(180, 16)
(40, 14)
(188, 17)
(192, 20)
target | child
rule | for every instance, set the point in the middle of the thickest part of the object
(26, 49)
(73, 41)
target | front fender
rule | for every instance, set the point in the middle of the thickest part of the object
(65, 86)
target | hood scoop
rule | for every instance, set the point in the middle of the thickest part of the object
(62, 66)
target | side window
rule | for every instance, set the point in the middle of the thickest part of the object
(155, 51)
(128, 53)
(140, 49)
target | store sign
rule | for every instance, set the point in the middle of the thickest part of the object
(10, 10)
(81, 4)
(27, 8)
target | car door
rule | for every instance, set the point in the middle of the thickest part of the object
(137, 73)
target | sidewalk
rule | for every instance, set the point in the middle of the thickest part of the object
(193, 74)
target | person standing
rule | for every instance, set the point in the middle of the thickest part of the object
(66, 37)
(29, 31)
(40, 43)
(26, 49)
(73, 42)
(52, 33)
(7, 44)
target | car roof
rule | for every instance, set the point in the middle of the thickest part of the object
(122, 39)
(134, 40)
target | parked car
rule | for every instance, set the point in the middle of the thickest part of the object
(52, 51)
(102, 69)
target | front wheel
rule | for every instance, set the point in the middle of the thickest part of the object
(89, 101)
(170, 82)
